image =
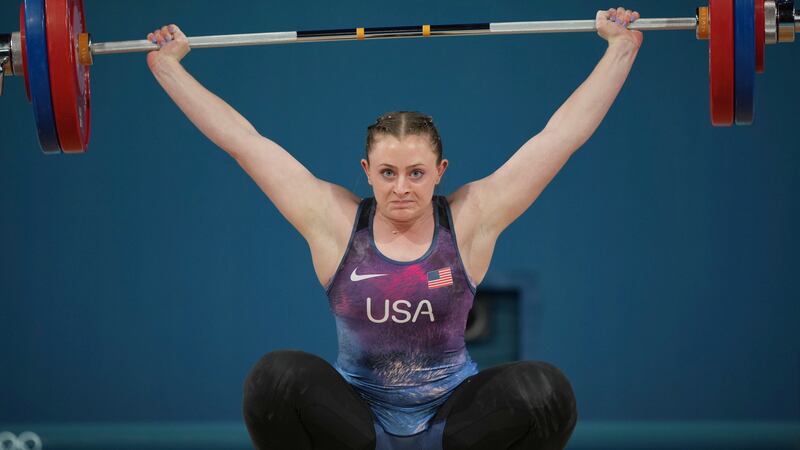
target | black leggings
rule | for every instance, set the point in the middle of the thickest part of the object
(296, 400)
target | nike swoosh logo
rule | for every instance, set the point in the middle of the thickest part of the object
(356, 277)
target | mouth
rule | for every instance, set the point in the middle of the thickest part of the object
(401, 202)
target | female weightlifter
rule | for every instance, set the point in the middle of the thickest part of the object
(400, 270)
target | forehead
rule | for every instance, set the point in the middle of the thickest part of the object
(391, 150)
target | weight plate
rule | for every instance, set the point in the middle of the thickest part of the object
(69, 78)
(744, 60)
(24, 50)
(39, 75)
(720, 66)
(760, 36)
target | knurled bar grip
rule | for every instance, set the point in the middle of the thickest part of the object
(236, 40)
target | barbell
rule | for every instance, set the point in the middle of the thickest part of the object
(54, 52)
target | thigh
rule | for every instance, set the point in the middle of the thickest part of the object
(297, 400)
(521, 405)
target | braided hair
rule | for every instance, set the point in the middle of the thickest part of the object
(404, 123)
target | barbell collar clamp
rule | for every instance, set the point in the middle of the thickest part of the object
(703, 24)
(16, 53)
(85, 49)
(771, 22)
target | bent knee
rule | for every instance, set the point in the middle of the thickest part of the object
(279, 371)
(539, 383)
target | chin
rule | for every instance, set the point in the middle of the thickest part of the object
(402, 212)
(399, 212)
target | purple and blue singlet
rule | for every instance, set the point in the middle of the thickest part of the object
(401, 324)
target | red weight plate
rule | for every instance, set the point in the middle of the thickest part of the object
(760, 25)
(720, 67)
(69, 80)
(24, 50)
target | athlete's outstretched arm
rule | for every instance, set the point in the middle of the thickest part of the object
(306, 201)
(500, 198)
(322, 212)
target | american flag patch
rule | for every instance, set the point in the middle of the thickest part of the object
(440, 278)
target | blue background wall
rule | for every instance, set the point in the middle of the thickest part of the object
(140, 281)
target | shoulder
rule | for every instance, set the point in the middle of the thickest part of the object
(467, 205)
(332, 225)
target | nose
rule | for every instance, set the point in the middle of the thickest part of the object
(400, 186)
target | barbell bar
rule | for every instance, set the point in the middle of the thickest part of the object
(53, 52)
(477, 29)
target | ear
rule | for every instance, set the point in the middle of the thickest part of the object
(440, 170)
(365, 166)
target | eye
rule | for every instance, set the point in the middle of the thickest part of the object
(417, 173)
(387, 172)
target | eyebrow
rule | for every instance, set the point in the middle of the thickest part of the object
(393, 167)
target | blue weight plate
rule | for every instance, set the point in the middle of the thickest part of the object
(744, 60)
(39, 75)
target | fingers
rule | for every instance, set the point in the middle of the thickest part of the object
(176, 31)
(621, 16)
(157, 37)
(165, 34)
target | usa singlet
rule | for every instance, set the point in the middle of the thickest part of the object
(401, 324)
